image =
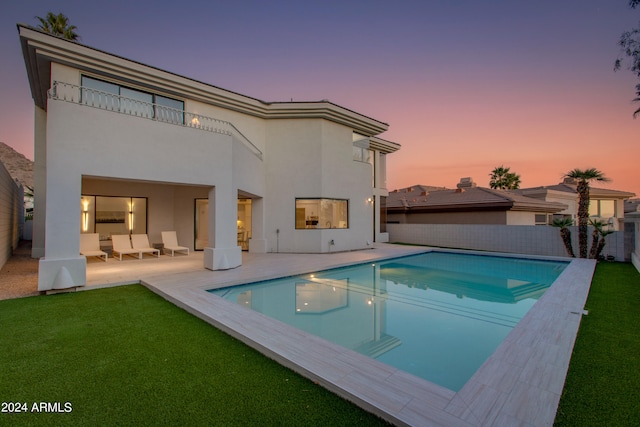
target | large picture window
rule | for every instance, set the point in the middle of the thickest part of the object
(321, 213)
(108, 215)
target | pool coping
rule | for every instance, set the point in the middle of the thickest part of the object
(519, 384)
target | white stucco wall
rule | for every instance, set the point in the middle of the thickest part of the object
(313, 158)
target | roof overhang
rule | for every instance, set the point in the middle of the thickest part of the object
(41, 49)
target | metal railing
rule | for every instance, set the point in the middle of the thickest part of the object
(148, 110)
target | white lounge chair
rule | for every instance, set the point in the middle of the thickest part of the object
(140, 242)
(90, 246)
(122, 246)
(170, 242)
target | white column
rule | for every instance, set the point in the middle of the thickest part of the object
(257, 243)
(224, 252)
(62, 266)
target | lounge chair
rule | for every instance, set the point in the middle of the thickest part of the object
(90, 246)
(140, 242)
(122, 246)
(170, 242)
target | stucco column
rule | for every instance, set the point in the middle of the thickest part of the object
(224, 252)
(62, 266)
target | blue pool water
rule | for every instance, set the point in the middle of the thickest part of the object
(437, 315)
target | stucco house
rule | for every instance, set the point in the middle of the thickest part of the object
(122, 147)
(604, 204)
(467, 204)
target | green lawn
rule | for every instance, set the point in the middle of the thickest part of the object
(125, 356)
(603, 383)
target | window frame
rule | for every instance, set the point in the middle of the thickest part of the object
(597, 204)
(320, 221)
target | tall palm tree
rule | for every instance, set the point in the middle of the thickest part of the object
(503, 179)
(563, 224)
(58, 25)
(583, 178)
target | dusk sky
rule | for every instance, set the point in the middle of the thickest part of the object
(465, 85)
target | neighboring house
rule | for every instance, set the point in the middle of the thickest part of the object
(467, 204)
(631, 205)
(122, 147)
(604, 204)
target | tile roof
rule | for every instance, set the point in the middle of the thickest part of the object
(571, 188)
(426, 198)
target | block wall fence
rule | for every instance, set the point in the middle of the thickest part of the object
(520, 239)
(11, 214)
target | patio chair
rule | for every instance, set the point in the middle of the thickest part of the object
(170, 242)
(90, 246)
(122, 246)
(140, 242)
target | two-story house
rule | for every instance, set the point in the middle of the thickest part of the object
(125, 148)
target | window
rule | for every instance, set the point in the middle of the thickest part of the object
(602, 208)
(321, 213)
(136, 103)
(541, 219)
(113, 97)
(107, 215)
(100, 94)
(362, 154)
(361, 151)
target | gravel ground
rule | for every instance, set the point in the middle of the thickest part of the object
(19, 276)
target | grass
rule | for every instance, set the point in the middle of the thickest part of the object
(125, 356)
(603, 382)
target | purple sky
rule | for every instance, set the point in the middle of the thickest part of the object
(465, 85)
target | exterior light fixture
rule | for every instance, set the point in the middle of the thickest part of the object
(85, 215)
(131, 216)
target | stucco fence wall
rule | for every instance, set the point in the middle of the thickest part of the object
(520, 239)
(11, 214)
(632, 222)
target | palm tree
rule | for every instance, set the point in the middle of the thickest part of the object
(583, 178)
(503, 179)
(563, 224)
(58, 25)
(604, 233)
(598, 229)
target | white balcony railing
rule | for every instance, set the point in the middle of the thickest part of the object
(134, 107)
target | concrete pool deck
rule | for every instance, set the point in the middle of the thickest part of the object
(519, 385)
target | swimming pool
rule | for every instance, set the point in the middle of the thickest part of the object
(437, 315)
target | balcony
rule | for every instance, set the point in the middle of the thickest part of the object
(134, 107)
